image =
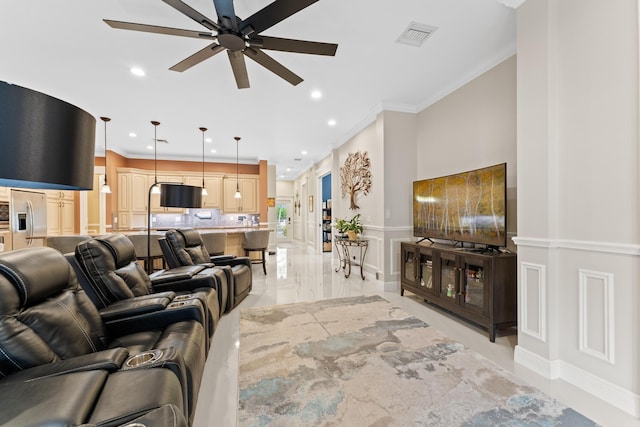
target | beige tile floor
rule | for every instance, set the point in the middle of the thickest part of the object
(298, 274)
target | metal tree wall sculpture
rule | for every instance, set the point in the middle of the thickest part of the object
(355, 176)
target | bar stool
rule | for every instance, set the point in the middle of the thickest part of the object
(256, 241)
(65, 244)
(140, 246)
(214, 242)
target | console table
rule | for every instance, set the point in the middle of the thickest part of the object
(345, 247)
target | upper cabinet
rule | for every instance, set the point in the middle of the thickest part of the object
(213, 185)
(155, 198)
(4, 193)
(248, 203)
(60, 212)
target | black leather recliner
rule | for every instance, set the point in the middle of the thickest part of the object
(184, 247)
(108, 271)
(60, 364)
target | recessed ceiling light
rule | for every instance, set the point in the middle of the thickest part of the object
(208, 140)
(213, 151)
(149, 147)
(137, 71)
(288, 169)
(316, 94)
(281, 176)
(331, 122)
(132, 134)
(304, 152)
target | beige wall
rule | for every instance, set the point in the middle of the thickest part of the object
(578, 195)
(471, 128)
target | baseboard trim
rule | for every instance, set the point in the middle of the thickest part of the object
(606, 391)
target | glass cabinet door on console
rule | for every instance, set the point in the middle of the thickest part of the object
(417, 270)
(449, 286)
(475, 292)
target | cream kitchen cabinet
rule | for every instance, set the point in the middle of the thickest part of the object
(248, 188)
(5, 193)
(61, 216)
(155, 198)
(213, 184)
(132, 199)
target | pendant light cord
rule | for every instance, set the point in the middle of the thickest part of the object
(105, 120)
(155, 151)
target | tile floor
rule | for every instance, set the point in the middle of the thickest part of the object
(298, 274)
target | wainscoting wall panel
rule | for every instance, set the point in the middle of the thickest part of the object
(533, 300)
(596, 308)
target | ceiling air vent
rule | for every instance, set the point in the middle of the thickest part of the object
(415, 34)
(164, 141)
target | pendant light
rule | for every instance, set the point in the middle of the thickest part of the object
(204, 190)
(237, 195)
(105, 187)
(156, 187)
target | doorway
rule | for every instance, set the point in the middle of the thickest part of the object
(327, 218)
(283, 221)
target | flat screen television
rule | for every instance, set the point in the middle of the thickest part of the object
(465, 207)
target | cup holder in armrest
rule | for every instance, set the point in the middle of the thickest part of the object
(143, 359)
(183, 297)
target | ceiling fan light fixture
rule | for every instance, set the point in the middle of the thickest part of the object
(105, 189)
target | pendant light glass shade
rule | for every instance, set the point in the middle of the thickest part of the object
(204, 190)
(105, 187)
(156, 186)
(238, 195)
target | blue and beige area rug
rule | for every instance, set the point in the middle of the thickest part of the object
(362, 362)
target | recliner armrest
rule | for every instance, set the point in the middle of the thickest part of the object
(237, 260)
(136, 306)
(175, 274)
(175, 312)
(222, 258)
(107, 360)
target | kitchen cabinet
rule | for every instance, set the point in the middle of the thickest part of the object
(155, 198)
(480, 287)
(213, 184)
(132, 199)
(61, 208)
(5, 193)
(248, 188)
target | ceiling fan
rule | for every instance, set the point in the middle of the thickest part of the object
(239, 37)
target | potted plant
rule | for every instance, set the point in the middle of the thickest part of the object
(354, 227)
(341, 226)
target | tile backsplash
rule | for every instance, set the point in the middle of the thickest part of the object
(204, 218)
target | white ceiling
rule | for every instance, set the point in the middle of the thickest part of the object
(63, 48)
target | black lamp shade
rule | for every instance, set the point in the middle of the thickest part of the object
(44, 142)
(180, 196)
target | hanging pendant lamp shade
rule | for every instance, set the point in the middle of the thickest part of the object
(204, 190)
(156, 187)
(44, 142)
(238, 195)
(105, 187)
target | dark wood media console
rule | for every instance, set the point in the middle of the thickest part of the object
(480, 287)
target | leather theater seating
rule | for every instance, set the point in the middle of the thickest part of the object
(108, 271)
(184, 247)
(62, 364)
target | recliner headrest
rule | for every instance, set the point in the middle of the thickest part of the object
(191, 236)
(37, 273)
(121, 248)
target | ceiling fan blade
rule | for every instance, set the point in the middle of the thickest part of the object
(239, 69)
(198, 57)
(297, 46)
(226, 13)
(193, 14)
(277, 11)
(158, 30)
(272, 65)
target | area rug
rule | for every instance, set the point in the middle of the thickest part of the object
(362, 362)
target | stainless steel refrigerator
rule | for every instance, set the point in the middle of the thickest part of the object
(28, 218)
